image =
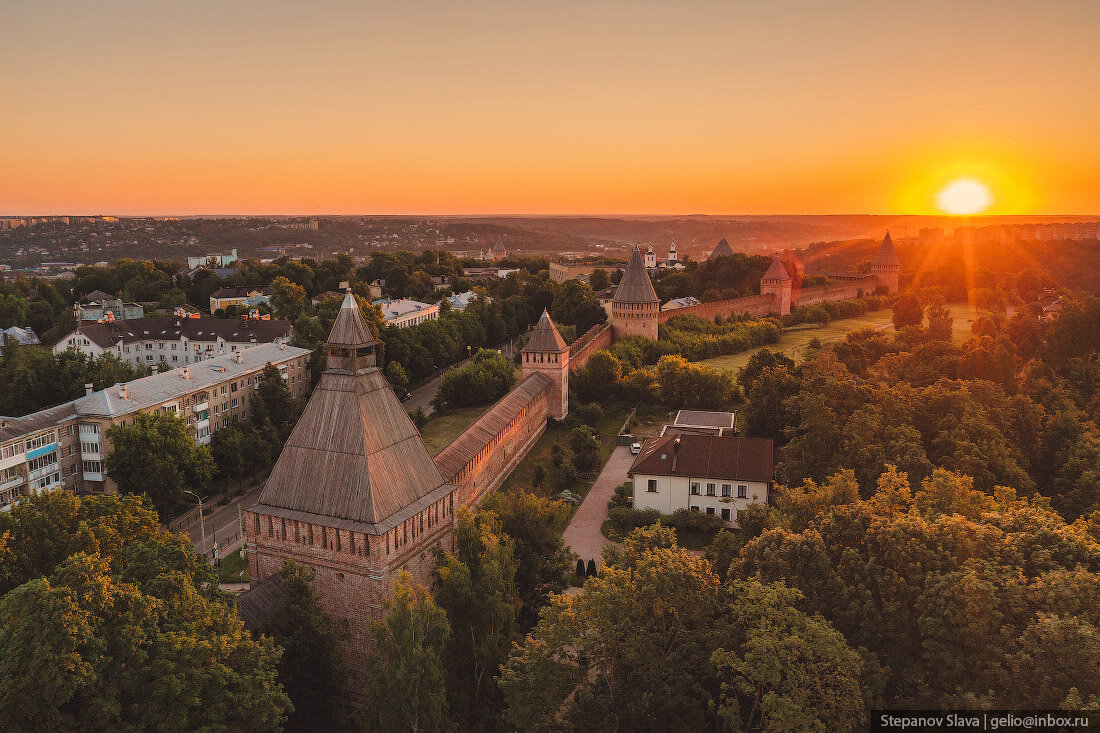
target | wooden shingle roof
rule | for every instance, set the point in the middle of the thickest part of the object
(777, 271)
(545, 337)
(722, 250)
(476, 438)
(354, 455)
(886, 256)
(635, 287)
(350, 330)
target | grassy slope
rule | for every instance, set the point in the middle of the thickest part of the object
(794, 341)
(444, 427)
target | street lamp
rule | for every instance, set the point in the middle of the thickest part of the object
(202, 523)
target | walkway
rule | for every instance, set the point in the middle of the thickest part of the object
(583, 533)
(423, 395)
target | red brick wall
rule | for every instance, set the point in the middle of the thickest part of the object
(752, 305)
(596, 338)
(488, 469)
(833, 291)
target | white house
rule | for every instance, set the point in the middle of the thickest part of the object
(405, 312)
(719, 475)
(222, 298)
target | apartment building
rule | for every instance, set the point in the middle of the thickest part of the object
(405, 312)
(176, 340)
(65, 446)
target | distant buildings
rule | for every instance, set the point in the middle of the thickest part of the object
(175, 341)
(719, 475)
(222, 298)
(64, 447)
(560, 271)
(113, 308)
(681, 303)
(459, 301)
(213, 260)
(25, 336)
(405, 312)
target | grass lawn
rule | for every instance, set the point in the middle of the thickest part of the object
(442, 428)
(233, 569)
(795, 341)
(558, 433)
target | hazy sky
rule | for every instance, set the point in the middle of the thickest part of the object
(770, 106)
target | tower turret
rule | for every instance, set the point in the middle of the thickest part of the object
(635, 309)
(672, 256)
(350, 343)
(777, 281)
(650, 257)
(547, 352)
(886, 266)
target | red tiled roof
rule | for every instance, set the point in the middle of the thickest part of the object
(707, 456)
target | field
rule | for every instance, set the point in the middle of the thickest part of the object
(442, 428)
(795, 340)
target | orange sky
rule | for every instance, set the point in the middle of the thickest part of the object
(782, 106)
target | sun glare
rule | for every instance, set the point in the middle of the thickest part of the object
(964, 196)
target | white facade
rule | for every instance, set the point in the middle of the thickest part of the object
(404, 313)
(724, 497)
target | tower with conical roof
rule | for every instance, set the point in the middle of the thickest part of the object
(547, 353)
(635, 309)
(886, 266)
(354, 495)
(777, 282)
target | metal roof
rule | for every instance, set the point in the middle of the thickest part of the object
(238, 330)
(160, 388)
(722, 250)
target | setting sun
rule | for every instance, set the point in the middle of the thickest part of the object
(964, 196)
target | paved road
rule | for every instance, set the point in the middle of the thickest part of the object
(583, 533)
(221, 523)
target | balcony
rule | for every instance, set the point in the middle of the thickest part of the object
(16, 460)
(202, 406)
(12, 482)
(90, 476)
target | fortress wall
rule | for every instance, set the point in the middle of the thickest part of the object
(353, 571)
(833, 291)
(752, 305)
(479, 459)
(596, 338)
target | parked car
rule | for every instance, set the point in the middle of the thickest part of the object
(635, 448)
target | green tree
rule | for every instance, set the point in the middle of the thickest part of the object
(535, 525)
(487, 377)
(311, 669)
(908, 311)
(117, 625)
(157, 456)
(585, 447)
(398, 379)
(288, 300)
(406, 676)
(476, 587)
(781, 670)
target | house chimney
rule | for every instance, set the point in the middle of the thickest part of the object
(238, 357)
(187, 372)
(87, 388)
(282, 345)
(122, 391)
(675, 451)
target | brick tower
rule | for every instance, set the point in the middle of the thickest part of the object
(354, 495)
(635, 309)
(546, 352)
(886, 266)
(777, 281)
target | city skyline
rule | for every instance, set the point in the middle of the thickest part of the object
(517, 109)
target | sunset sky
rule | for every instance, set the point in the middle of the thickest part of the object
(733, 107)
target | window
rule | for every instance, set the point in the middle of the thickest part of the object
(710, 510)
(234, 403)
(726, 514)
(233, 387)
(68, 430)
(695, 509)
(742, 491)
(174, 345)
(175, 358)
(72, 469)
(93, 467)
(695, 488)
(726, 490)
(50, 459)
(711, 488)
(11, 450)
(651, 486)
(40, 440)
(148, 347)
